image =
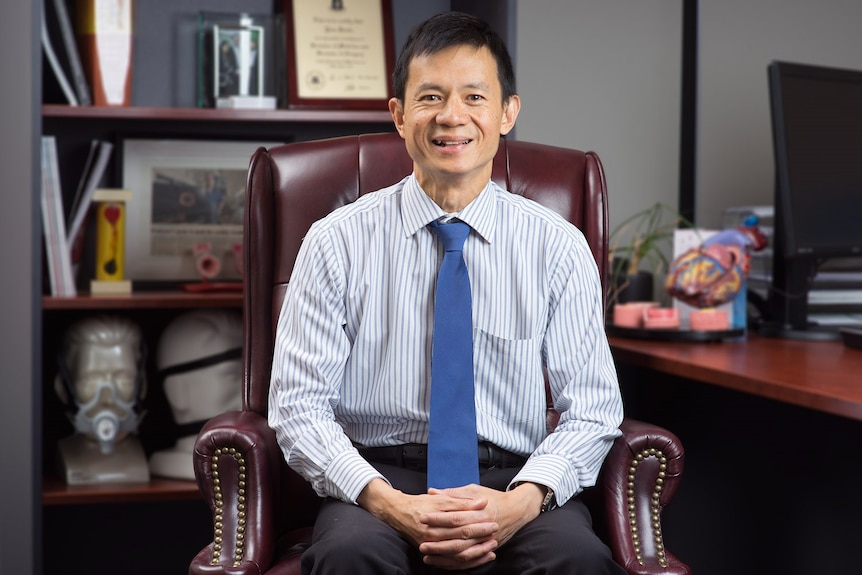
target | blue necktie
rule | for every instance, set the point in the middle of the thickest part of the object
(453, 452)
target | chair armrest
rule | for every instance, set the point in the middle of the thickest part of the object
(236, 462)
(638, 479)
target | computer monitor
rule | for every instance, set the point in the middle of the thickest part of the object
(817, 136)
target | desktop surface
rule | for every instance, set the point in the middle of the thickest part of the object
(823, 375)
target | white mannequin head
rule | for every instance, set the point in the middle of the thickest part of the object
(199, 391)
(100, 374)
(199, 358)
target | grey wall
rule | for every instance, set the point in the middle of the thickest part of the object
(605, 76)
(738, 39)
(20, 479)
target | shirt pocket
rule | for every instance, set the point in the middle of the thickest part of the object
(510, 384)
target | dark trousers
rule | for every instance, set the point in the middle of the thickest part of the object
(349, 540)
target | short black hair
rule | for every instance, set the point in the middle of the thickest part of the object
(446, 30)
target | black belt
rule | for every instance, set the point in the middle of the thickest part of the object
(415, 456)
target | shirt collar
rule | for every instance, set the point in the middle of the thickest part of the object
(418, 210)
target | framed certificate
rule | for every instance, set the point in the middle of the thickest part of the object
(340, 53)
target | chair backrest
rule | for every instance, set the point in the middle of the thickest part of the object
(293, 185)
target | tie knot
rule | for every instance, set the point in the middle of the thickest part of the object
(452, 234)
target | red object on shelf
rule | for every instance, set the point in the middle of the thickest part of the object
(104, 30)
(208, 286)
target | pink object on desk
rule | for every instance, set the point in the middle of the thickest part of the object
(631, 314)
(708, 319)
(661, 318)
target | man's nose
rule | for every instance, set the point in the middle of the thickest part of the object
(452, 113)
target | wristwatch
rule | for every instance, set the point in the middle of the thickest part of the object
(550, 501)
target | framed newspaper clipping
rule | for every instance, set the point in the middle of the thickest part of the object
(185, 194)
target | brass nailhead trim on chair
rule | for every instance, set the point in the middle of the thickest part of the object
(218, 519)
(654, 504)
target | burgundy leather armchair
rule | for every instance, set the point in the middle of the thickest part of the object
(262, 510)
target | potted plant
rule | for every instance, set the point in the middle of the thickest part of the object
(638, 251)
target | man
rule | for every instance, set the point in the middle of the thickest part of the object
(352, 366)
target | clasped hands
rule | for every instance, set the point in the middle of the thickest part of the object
(457, 528)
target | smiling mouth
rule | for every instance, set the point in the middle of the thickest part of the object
(444, 143)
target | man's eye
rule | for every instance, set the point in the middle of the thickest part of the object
(431, 98)
(475, 98)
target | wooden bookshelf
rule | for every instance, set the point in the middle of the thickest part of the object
(56, 492)
(145, 300)
(149, 114)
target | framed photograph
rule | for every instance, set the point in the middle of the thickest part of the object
(238, 61)
(237, 65)
(188, 199)
(340, 53)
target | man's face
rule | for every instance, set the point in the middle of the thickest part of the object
(452, 117)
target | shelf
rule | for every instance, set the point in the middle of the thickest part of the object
(56, 492)
(215, 115)
(144, 300)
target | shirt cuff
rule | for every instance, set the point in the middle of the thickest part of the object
(347, 475)
(552, 471)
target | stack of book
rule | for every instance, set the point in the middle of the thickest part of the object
(64, 235)
(64, 59)
(54, 224)
(91, 60)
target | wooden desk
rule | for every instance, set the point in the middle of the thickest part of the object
(826, 376)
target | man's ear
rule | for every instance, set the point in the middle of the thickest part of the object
(396, 108)
(510, 114)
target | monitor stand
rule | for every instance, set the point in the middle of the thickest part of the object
(788, 302)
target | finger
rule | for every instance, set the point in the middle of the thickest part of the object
(465, 549)
(445, 502)
(463, 555)
(454, 540)
(456, 519)
(466, 492)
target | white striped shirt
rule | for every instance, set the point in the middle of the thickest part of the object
(353, 343)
